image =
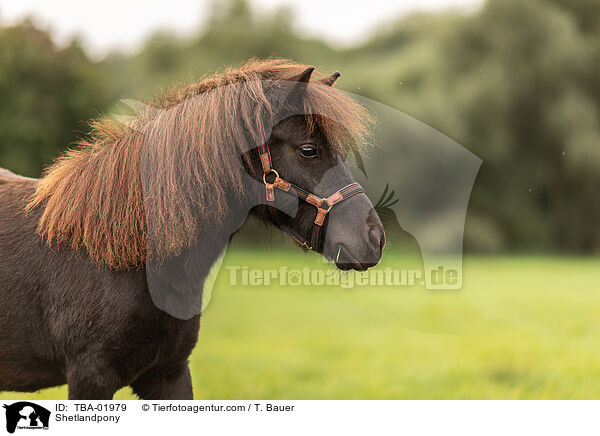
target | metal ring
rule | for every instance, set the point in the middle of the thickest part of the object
(266, 174)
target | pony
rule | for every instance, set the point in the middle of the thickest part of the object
(103, 258)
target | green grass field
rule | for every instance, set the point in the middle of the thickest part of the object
(521, 327)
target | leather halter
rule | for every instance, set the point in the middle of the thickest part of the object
(323, 205)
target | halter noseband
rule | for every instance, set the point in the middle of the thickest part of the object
(323, 205)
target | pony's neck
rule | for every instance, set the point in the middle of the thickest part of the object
(177, 283)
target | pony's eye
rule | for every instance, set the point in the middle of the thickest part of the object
(308, 150)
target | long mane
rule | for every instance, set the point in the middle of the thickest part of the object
(96, 195)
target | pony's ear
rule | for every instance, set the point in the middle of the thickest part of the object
(329, 81)
(304, 76)
(299, 88)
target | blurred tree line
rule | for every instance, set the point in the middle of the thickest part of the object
(515, 82)
(45, 94)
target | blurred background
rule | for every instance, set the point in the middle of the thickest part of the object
(513, 81)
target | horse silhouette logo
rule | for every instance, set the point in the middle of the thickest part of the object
(26, 415)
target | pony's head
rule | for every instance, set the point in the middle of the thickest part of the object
(305, 159)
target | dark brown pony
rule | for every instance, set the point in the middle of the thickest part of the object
(95, 256)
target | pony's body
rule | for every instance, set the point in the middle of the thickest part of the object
(103, 260)
(62, 317)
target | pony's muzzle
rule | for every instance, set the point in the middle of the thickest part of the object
(355, 235)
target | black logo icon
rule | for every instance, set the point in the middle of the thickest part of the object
(26, 415)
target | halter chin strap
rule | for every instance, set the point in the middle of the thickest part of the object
(323, 205)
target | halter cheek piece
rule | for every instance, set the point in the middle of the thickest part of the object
(323, 205)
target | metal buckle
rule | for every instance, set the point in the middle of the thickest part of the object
(270, 172)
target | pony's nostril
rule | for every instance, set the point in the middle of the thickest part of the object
(376, 238)
(376, 232)
(373, 235)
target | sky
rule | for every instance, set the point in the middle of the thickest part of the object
(123, 25)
